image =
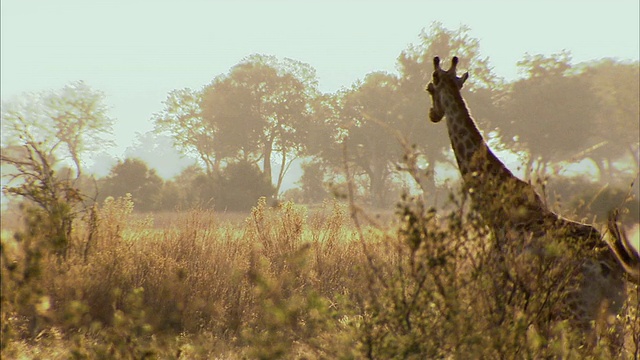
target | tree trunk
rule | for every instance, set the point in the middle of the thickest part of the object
(636, 156)
(284, 166)
(427, 182)
(609, 168)
(209, 167)
(266, 164)
(600, 167)
(76, 161)
(377, 177)
(604, 167)
(379, 190)
(216, 165)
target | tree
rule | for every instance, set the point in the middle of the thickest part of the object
(415, 61)
(195, 187)
(324, 130)
(80, 120)
(52, 201)
(170, 197)
(550, 113)
(415, 65)
(66, 123)
(206, 188)
(133, 176)
(241, 184)
(368, 116)
(312, 182)
(192, 134)
(369, 112)
(158, 151)
(616, 86)
(38, 132)
(262, 107)
(326, 133)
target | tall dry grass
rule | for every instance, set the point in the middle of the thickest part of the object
(281, 272)
(289, 283)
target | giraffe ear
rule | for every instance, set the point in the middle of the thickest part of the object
(464, 78)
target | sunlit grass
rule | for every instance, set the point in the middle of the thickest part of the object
(285, 282)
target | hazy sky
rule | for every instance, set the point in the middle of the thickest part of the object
(138, 51)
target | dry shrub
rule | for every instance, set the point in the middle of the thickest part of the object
(259, 286)
(451, 290)
(293, 283)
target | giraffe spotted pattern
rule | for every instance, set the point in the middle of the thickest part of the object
(519, 218)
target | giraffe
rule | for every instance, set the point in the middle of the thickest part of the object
(517, 214)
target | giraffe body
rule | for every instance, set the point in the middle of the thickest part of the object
(517, 214)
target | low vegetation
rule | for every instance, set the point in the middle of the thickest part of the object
(289, 282)
(83, 277)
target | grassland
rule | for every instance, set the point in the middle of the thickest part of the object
(285, 282)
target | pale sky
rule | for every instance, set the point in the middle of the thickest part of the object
(138, 51)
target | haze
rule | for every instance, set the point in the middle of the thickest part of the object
(136, 52)
(270, 179)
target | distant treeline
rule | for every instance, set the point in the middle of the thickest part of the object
(266, 112)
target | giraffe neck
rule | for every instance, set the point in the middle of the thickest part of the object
(471, 151)
(497, 192)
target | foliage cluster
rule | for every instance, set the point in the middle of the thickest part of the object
(92, 282)
(122, 281)
(236, 187)
(291, 283)
(269, 112)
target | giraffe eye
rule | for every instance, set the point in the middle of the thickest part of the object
(605, 269)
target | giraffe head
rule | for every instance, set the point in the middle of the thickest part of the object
(444, 88)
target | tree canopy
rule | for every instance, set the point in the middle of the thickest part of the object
(39, 133)
(64, 124)
(133, 176)
(262, 107)
(267, 113)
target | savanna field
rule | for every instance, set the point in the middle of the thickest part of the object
(283, 282)
(257, 209)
